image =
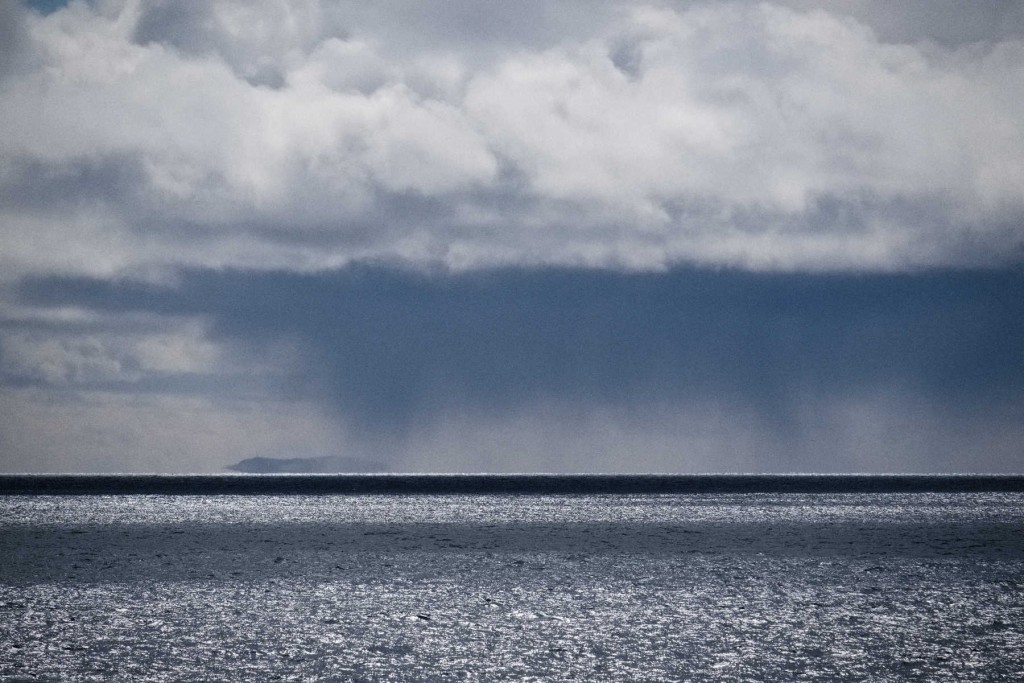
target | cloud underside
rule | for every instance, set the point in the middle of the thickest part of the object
(570, 369)
(623, 135)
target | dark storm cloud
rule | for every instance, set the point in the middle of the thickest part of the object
(391, 347)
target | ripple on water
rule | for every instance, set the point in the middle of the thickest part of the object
(313, 599)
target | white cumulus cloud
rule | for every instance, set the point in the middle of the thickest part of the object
(307, 135)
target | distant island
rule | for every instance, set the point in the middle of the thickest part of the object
(315, 465)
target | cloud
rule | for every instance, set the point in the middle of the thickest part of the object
(704, 137)
(52, 361)
(767, 367)
(13, 38)
(255, 38)
(675, 235)
(946, 22)
(633, 136)
(391, 347)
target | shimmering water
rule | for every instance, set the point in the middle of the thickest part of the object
(629, 587)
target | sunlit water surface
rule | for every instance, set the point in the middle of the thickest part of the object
(697, 587)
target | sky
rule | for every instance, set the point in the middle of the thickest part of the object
(541, 236)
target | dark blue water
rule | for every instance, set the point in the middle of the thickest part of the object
(536, 484)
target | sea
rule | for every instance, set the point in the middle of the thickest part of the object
(434, 578)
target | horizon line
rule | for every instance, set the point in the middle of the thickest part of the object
(477, 483)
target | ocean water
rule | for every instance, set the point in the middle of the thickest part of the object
(715, 587)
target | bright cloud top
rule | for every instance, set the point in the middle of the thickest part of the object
(301, 135)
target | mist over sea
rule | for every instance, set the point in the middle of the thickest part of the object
(724, 586)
